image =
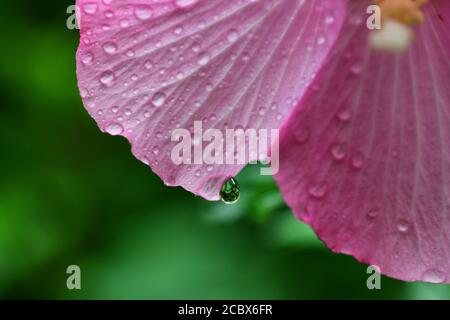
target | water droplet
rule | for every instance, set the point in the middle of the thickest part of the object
(110, 47)
(159, 99)
(143, 12)
(107, 77)
(230, 192)
(232, 35)
(87, 58)
(318, 190)
(338, 151)
(90, 8)
(434, 276)
(403, 226)
(356, 68)
(114, 128)
(329, 19)
(321, 40)
(358, 160)
(124, 23)
(203, 58)
(344, 114)
(178, 30)
(373, 213)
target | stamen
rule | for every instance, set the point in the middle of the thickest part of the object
(397, 17)
(394, 37)
(405, 11)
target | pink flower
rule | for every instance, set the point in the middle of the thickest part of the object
(364, 153)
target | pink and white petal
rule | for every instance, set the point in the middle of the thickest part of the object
(146, 68)
(365, 157)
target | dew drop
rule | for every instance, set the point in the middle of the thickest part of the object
(321, 40)
(143, 12)
(329, 19)
(114, 128)
(403, 226)
(178, 30)
(90, 8)
(107, 77)
(356, 68)
(433, 276)
(232, 35)
(87, 58)
(373, 213)
(318, 191)
(230, 192)
(344, 115)
(338, 151)
(159, 99)
(110, 48)
(203, 58)
(358, 160)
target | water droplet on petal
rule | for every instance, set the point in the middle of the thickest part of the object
(203, 58)
(358, 160)
(90, 8)
(159, 99)
(87, 58)
(114, 128)
(110, 47)
(373, 213)
(107, 77)
(143, 12)
(403, 226)
(230, 192)
(434, 276)
(318, 190)
(344, 114)
(232, 35)
(338, 151)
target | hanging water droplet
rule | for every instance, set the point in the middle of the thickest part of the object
(114, 129)
(434, 276)
(230, 192)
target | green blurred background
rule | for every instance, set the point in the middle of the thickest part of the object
(72, 195)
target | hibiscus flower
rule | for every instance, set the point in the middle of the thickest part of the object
(364, 157)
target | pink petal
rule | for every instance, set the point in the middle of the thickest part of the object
(365, 158)
(148, 67)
